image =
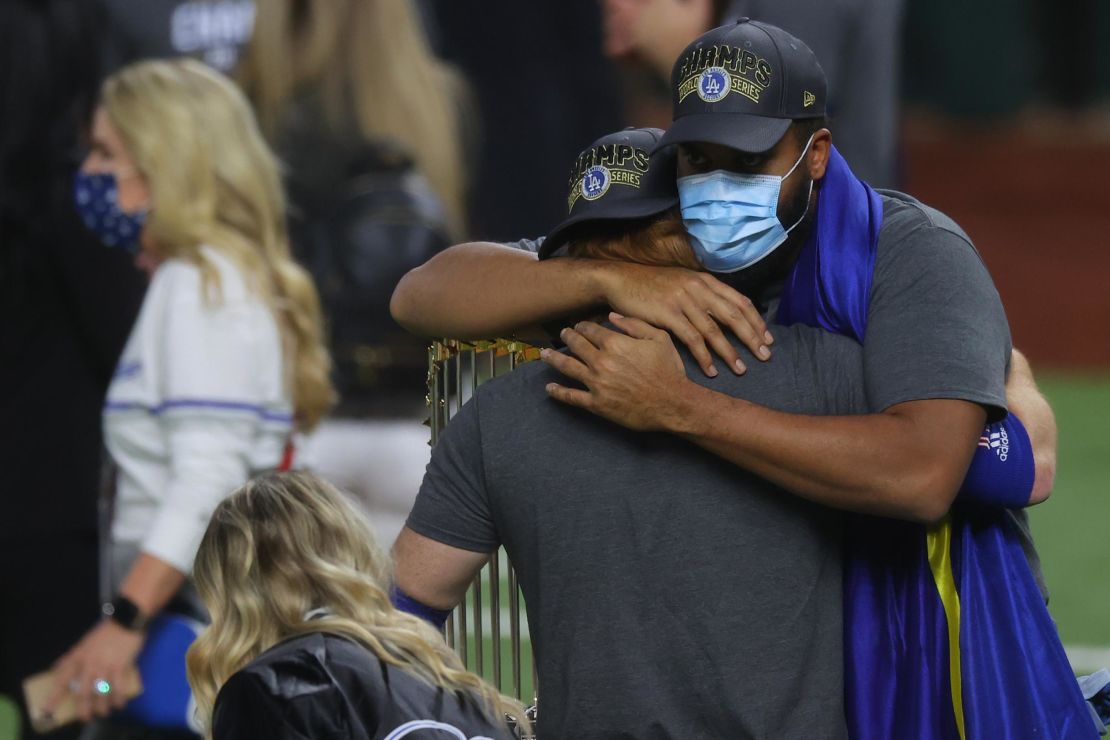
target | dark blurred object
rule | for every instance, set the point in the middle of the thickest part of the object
(544, 91)
(68, 305)
(213, 31)
(1069, 35)
(358, 233)
(970, 59)
(990, 60)
(859, 45)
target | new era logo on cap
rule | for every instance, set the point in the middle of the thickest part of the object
(808, 99)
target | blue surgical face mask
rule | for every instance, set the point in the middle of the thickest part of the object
(97, 199)
(733, 217)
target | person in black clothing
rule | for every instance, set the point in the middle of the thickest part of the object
(68, 305)
(304, 641)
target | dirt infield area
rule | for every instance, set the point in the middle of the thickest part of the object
(1037, 205)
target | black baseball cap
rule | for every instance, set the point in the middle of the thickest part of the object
(616, 178)
(741, 85)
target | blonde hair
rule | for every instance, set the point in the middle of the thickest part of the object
(372, 64)
(288, 543)
(214, 181)
(660, 241)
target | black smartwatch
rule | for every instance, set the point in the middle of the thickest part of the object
(123, 612)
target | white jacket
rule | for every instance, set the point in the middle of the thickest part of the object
(198, 403)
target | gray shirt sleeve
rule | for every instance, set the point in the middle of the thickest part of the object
(936, 326)
(452, 506)
(527, 245)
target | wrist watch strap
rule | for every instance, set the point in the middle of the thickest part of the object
(123, 611)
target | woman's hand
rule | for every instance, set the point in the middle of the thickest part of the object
(694, 306)
(106, 653)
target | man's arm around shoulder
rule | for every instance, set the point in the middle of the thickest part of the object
(481, 289)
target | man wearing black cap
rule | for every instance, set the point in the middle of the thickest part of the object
(749, 103)
(669, 595)
(771, 205)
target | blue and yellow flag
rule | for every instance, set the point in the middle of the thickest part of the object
(947, 636)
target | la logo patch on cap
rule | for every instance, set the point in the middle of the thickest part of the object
(714, 84)
(596, 181)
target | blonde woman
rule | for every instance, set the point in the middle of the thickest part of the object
(304, 642)
(225, 361)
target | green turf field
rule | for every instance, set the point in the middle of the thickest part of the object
(8, 720)
(1072, 528)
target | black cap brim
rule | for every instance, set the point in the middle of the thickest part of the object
(627, 211)
(741, 131)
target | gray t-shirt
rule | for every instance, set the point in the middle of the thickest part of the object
(935, 324)
(670, 595)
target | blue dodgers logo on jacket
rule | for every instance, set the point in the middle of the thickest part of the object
(601, 167)
(714, 72)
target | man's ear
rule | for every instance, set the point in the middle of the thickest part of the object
(817, 158)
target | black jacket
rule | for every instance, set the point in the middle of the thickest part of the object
(323, 686)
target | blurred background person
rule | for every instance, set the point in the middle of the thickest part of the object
(857, 41)
(370, 127)
(287, 560)
(226, 359)
(67, 307)
(542, 86)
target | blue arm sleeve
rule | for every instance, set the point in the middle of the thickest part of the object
(1003, 470)
(405, 603)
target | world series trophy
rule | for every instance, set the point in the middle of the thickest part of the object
(455, 370)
